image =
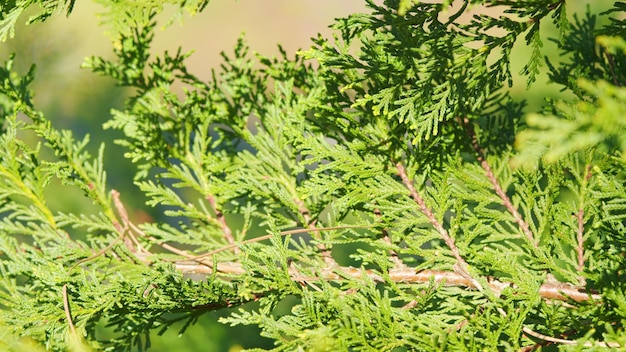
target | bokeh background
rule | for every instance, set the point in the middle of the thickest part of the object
(76, 99)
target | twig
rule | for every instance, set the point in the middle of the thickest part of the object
(535, 334)
(221, 219)
(121, 230)
(579, 237)
(611, 62)
(129, 240)
(306, 217)
(99, 253)
(387, 239)
(494, 181)
(580, 217)
(68, 313)
(283, 233)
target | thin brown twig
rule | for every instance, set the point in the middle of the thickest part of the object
(221, 219)
(540, 336)
(387, 239)
(535, 334)
(121, 230)
(161, 243)
(283, 233)
(68, 312)
(97, 254)
(580, 239)
(611, 62)
(130, 241)
(495, 183)
(306, 217)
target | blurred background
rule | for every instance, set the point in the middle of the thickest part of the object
(76, 99)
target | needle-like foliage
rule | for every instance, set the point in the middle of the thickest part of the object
(383, 183)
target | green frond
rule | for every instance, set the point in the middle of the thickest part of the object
(382, 190)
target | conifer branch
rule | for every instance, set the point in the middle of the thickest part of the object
(25, 190)
(465, 122)
(461, 264)
(196, 265)
(399, 274)
(72, 155)
(290, 143)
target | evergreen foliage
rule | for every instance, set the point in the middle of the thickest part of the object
(470, 224)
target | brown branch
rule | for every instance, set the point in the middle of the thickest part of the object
(494, 181)
(221, 220)
(551, 291)
(461, 264)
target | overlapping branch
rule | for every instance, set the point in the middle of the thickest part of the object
(546, 290)
(200, 266)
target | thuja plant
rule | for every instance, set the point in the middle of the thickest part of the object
(383, 183)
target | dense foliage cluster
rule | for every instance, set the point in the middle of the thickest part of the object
(383, 184)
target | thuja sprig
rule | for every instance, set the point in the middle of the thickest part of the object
(202, 263)
(465, 122)
(377, 187)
